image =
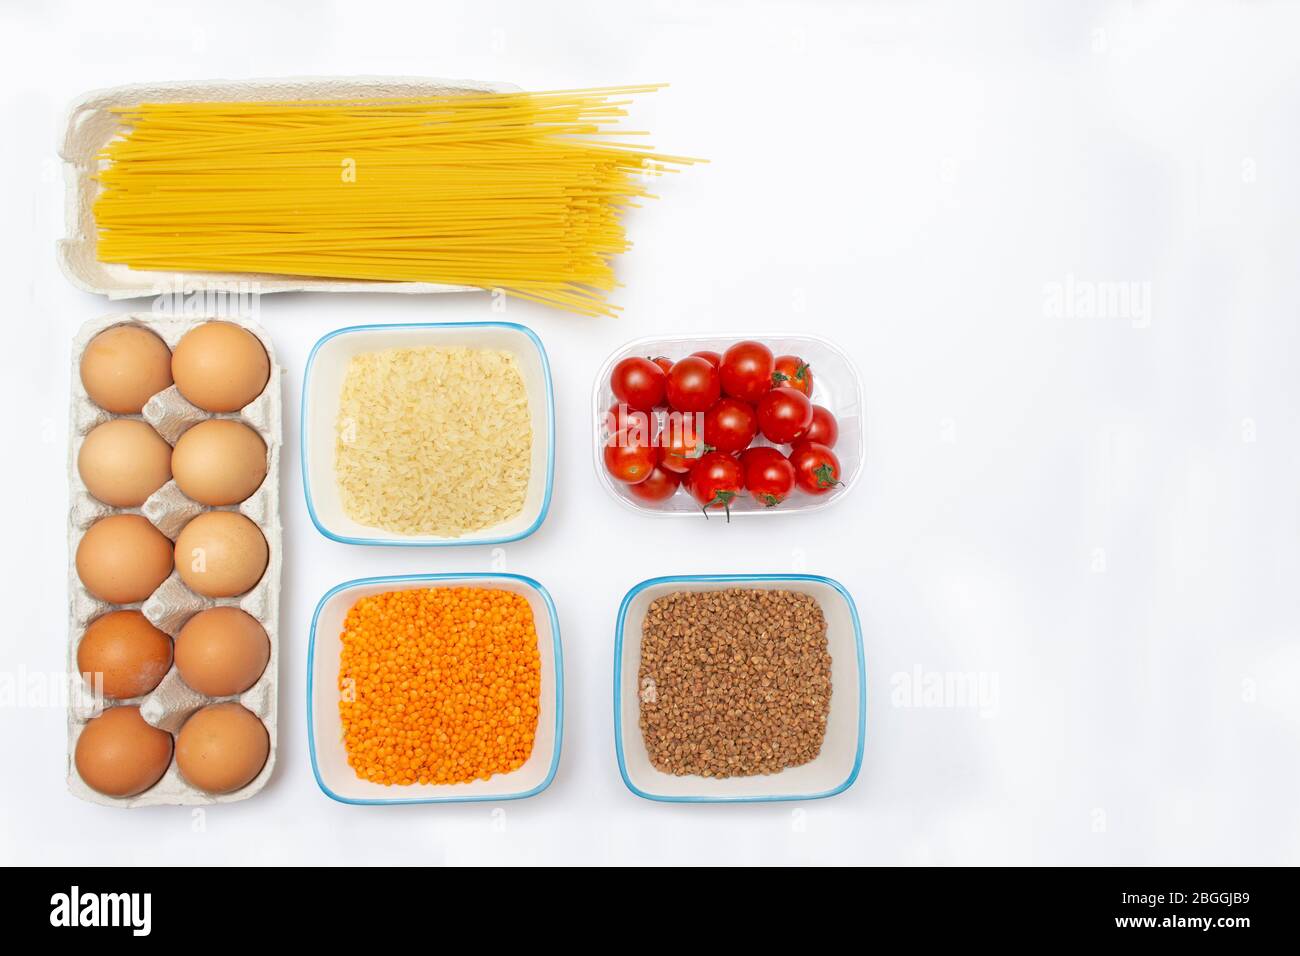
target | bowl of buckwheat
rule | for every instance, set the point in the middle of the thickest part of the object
(739, 688)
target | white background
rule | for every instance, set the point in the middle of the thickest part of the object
(1097, 513)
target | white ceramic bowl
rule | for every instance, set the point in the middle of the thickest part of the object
(325, 728)
(836, 385)
(834, 769)
(323, 383)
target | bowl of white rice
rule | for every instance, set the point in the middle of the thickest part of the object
(428, 434)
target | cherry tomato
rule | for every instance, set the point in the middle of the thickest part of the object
(639, 383)
(792, 372)
(824, 430)
(769, 476)
(628, 458)
(621, 418)
(715, 481)
(730, 425)
(713, 358)
(784, 414)
(681, 443)
(746, 371)
(661, 485)
(816, 468)
(693, 385)
(664, 363)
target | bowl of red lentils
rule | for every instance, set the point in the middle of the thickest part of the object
(435, 688)
(739, 688)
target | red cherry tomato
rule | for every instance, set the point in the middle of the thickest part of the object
(639, 383)
(792, 372)
(628, 458)
(730, 425)
(664, 363)
(621, 418)
(681, 447)
(784, 414)
(816, 468)
(713, 358)
(769, 476)
(746, 371)
(716, 481)
(693, 385)
(824, 430)
(661, 485)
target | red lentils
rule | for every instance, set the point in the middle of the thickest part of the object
(439, 685)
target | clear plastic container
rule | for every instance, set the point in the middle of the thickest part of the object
(836, 385)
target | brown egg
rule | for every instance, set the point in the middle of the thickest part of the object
(219, 462)
(222, 651)
(123, 558)
(123, 462)
(220, 366)
(130, 653)
(123, 367)
(120, 755)
(222, 748)
(220, 554)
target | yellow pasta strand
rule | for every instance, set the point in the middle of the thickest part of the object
(522, 192)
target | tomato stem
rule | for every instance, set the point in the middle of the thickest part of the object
(825, 476)
(723, 498)
(800, 375)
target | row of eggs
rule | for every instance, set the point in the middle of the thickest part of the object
(219, 749)
(217, 366)
(122, 559)
(215, 462)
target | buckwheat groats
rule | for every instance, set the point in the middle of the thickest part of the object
(734, 682)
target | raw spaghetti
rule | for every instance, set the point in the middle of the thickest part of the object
(522, 192)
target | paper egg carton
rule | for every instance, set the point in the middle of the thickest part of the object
(172, 604)
(90, 127)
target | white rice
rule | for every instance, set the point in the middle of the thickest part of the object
(433, 441)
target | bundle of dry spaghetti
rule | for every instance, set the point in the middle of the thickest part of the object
(522, 192)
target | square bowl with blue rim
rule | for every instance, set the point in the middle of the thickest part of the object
(318, 429)
(833, 770)
(329, 759)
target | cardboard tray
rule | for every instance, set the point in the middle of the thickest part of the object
(169, 704)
